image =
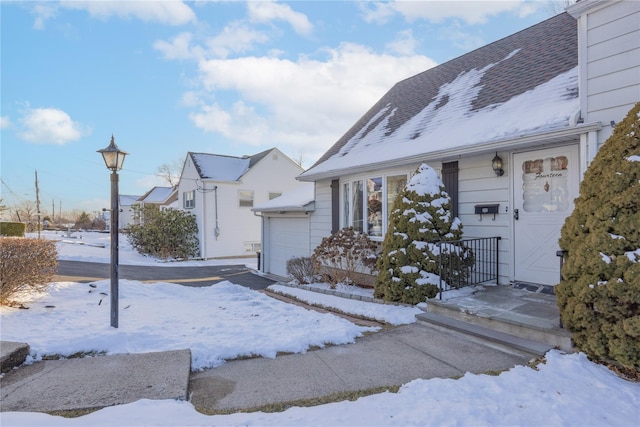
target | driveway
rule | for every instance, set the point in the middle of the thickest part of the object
(79, 271)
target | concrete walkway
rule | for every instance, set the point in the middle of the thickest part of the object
(394, 356)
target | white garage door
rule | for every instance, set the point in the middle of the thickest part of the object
(288, 238)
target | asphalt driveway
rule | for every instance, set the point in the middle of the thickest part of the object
(79, 271)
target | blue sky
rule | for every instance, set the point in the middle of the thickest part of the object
(232, 78)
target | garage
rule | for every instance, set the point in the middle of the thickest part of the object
(285, 228)
(288, 237)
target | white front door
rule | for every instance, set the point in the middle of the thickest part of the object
(545, 184)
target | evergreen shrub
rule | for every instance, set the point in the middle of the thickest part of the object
(26, 265)
(599, 293)
(167, 233)
(15, 229)
(345, 257)
(409, 265)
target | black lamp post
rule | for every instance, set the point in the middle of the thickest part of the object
(114, 158)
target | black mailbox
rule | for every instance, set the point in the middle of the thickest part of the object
(487, 209)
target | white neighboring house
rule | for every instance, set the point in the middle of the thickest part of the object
(163, 197)
(517, 98)
(126, 203)
(285, 228)
(221, 191)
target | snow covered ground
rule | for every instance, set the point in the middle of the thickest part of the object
(225, 321)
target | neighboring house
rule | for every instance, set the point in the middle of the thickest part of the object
(285, 228)
(221, 191)
(516, 99)
(126, 203)
(162, 197)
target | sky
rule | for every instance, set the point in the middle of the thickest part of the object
(222, 77)
(566, 390)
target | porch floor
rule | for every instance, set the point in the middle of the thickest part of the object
(508, 303)
(511, 310)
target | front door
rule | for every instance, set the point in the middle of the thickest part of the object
(545, 184)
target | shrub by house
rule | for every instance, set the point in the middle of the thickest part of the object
(599, 294)
(420, 217)
(166, 233)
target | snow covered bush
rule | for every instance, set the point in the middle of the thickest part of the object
(599, 294)
(345, 257)
(420, 218)
(301, 269)
(26, 265)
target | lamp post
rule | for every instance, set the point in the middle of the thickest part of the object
(114, 158)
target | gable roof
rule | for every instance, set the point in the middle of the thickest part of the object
(224, 168)
(159, 195)
(521, 85)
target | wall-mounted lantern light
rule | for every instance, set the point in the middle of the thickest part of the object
(496, 164)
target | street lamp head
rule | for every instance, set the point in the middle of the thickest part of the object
(113, 156)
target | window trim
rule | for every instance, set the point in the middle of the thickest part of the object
(346, 195)
(189, 202)
(244, 202)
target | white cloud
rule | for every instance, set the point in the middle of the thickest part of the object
(235, 38)
(308, 103)
(267, 11)
(464, 40)
(404, 44)
(170, 12)
(50, 126)
(179, 47)
(5, 122)
(436, 11)
(43, 12)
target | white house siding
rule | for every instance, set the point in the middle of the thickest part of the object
(479, 185)
(239, 229)
(320, 220)
(609, 45)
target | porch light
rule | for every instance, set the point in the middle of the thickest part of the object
(496, 164)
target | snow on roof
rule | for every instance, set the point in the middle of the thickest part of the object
(128, 200)
(291, 201)
(157, 195)
(523, 85)
(224, 168)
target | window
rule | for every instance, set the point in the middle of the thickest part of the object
(370, 198)
(189, 199)
(274, 195)
(374, 206)
(545, 184)
(246, 198)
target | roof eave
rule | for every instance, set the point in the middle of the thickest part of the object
(496, 145)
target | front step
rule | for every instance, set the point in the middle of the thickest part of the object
(485, 334)
(512, 325)
(12, 354)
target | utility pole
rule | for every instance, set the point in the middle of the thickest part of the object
(38, 203)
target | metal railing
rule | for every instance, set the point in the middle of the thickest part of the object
(468, 262)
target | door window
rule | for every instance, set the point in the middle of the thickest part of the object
(545, 184)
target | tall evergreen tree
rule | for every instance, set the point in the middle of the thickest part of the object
(599, 294)
(421, 215)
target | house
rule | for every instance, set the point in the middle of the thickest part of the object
(126, 203)
(510, 127)
(221, 191)
(285, 228)
(162, 197)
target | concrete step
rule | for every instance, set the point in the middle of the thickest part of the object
(12, 354)
(545, 329)
(497, 338)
